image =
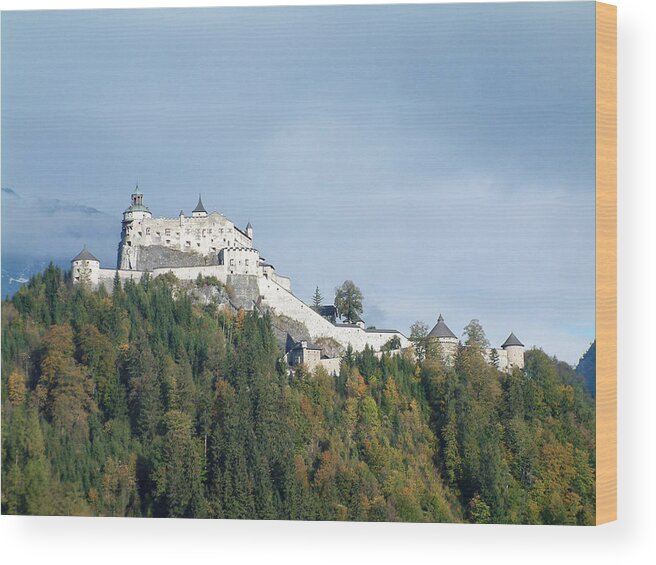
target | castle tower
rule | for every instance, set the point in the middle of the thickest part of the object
(249, 230)
(199, 211)
(515, 351)
(137, 210)
(445, 337)
(85, 268)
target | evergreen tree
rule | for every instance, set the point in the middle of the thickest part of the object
(317, 299)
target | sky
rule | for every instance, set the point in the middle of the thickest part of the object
(440, 156)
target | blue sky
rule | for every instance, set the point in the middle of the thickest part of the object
(441, 156)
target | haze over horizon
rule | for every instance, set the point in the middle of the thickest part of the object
(440, 156)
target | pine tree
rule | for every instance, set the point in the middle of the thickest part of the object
(317, 299)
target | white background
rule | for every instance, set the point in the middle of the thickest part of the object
(630, 539)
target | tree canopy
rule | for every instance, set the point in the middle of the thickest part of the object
(348, 301)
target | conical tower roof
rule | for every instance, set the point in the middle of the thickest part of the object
(441, 329)
(512, 340)
(85, 255)
(199, 207)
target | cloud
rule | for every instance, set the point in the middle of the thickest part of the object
(38, 229)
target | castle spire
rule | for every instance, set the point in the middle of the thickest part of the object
(441, 330)
(199, 211)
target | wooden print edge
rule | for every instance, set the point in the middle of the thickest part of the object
(606, 262)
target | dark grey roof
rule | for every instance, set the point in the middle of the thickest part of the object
(85, 255)
(249, 226)
(512, 340)
(199, 207)
(441, 329)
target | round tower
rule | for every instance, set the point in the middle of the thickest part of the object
(137, 210)
(85, 268)
(445, 337)
(515, 351)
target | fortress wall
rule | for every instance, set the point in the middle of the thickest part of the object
(331, 365)
(285, 303)
(284, 282)
(157, 256)
(392, 353)
(106, 276)
(191, 273)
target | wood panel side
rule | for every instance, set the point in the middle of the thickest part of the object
(606, 261)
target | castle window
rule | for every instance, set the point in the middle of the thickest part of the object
(188, 243)
(246, 262)
(232, 262)
(139, 234)
(147, 231)
(209, 230)
(168, 241)
(203, 233)
(157, 233)
(198, 244)
(167, 232)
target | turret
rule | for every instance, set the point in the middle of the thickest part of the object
(515, 351)
(85, 268)
(199, 211)
(137, 210)
(445, 337)
(249, 230)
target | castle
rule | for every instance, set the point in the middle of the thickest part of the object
(209, 244)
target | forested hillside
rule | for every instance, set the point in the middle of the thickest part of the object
(142, 403)
(587, 368)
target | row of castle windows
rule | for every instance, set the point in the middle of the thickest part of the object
(198, 232)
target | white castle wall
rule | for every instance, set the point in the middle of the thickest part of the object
(331, 365)
(191, 273)
(512, 356)
(85, 272)
(284, 302)
(106, 276)
(503, 357)
(240, 260)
